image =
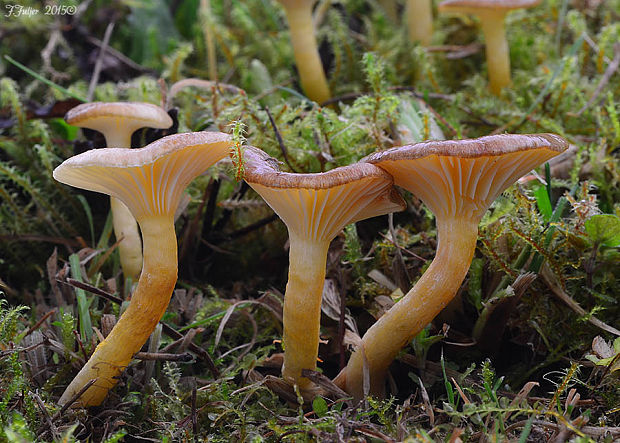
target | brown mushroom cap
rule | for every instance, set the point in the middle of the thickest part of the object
(148, 180)
(461, 178)
(473, 6)
(129, 116)
(320, 205)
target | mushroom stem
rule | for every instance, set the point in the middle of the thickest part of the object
(125, 225)
(433, 291)
(311, 74)
(420, 21)
(130, 246)
(148, 304)
(496, 47)
(302, 307)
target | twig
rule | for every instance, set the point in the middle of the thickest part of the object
(81, 345)
(251, 227)
(39, 323)
(46, 415)
(413, 254)
(175, 335)
(557, 290)
(373, 433)
(93, 290)
(119, 56)
(456, 51)
(73, 399)
(279, 139)
(164, 356)
(590, 430)
(324, 382)
(46, 55)
(12, 351)
(97, 71)
(439, 117)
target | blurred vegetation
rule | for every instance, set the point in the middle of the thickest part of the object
(511, 357)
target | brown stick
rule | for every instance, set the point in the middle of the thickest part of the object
(164, 356)
(73, 399)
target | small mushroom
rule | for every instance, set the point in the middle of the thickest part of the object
(457, 180)
(150, 182)
(301, 27)
(314, 208)
(117, 121)
(420, 21)
(491, 14)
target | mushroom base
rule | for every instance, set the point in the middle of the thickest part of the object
(395, 329)
(148, 304)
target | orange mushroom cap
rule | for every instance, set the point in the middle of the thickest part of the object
(321, 204)
(463, 177)
(148, 180)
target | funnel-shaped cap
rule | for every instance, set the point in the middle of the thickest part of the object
(461, 178)
(318, 206)
(148, 180)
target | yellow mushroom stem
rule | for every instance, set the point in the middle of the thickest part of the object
(433, 291)
(302, 307)
(124, 224)
(130, 246)
(301, 26)
(148, 304)
(496, 47)
(420, 21)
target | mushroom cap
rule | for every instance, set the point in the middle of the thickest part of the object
(149, 180)
(318, 206)
(461, 178)
(473, 6)
(118, 116)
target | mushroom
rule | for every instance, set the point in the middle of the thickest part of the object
(301, 26)
(457, 180)
(150, 182)
(117, 121)
(314, 208)
(491, 14)
(420, 21)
